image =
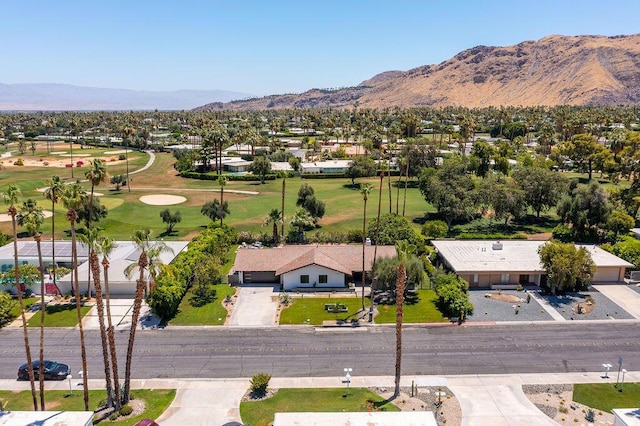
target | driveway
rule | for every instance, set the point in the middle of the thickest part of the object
(623, 296)
(256, 306)
(121, 310)
(495, 401)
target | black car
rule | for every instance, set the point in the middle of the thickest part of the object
(52, 370)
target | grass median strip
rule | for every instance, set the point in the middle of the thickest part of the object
(312, 400)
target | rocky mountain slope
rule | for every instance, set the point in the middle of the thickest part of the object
(555, 70)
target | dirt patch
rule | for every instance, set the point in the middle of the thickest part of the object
(503, 297)
(556, 401)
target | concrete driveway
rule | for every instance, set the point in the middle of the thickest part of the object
(495, 401)
(622, 296)
(121, 311)
(256, 306)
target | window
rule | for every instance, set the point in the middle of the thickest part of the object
(474, 278)
(323, 279)
(504, 278)
(304, 279)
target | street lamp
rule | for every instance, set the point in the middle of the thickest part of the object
(69, 376)
(624, 371)
(347, 378)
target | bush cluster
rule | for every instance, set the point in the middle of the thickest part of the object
(259, 384)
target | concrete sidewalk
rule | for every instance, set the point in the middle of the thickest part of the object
(484, 399)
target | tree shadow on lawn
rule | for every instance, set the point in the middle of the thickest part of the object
(61, 307)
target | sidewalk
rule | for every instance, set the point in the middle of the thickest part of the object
(485, 399)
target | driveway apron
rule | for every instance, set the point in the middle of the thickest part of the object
(623, 296)
(256, 306)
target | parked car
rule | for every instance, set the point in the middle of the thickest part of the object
(52, 370)
(146, 422)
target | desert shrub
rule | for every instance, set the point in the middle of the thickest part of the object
(19, 162)
(590, 416)
(122, 157)
(113, 416)
(125, 410)
(259, 383)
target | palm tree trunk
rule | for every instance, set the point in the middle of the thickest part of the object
(76, 290)
(111, 337)
(137, 304)
(364, 240)
(221, 201)
(406, 181)
(53, 241)
(27, 348)
(42, 291)
(402, 276)
(284, 184)
(95, 268)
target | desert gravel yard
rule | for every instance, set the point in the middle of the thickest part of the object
(493, 310)
(603, 307)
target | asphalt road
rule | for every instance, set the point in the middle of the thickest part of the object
(309, 352)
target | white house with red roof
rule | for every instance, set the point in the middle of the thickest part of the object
(305, 266)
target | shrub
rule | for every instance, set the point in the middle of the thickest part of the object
(259, 384)
(125, 410)
(590, 416)
(19, 162)
(113, 416)
(122, 157)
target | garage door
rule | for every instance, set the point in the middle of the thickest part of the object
(604, 275)
(261, 277)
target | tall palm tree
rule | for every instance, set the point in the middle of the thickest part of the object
(406, 180)
(284, 184)
(105, 246)
(404, 250)
(91, 239)
(222, 181)
(11, 198)
(148, 260)
(33, 218)
(96, 174)
(274, 218)
(73, 198)
(127, 132)
(365, 190)
(55, 187)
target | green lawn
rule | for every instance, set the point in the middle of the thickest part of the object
(257, 413)
(156, 402)
(312, 309)
(605, 397)
(60, 315)
(423, 311)
(212, 313)
(27, 301)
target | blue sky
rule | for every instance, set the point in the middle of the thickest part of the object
(268, 47)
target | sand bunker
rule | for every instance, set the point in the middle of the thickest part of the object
(6, 218)
(162, 199)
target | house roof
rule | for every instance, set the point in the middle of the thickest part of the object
(346, 258)
(473, 256)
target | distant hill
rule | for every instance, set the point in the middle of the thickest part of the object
(63, 97)
(555, 70)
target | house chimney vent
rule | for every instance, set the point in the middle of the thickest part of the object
(497, 245)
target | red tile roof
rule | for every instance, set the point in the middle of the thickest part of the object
(342, 258)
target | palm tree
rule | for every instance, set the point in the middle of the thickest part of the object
(365, 190)
(149, 259)
(55, 187)
(105, 246)
(127, 132)
(284, 185)
(222, 181)
(73, 198)
(91, 239)
(404, 250)
(11, 198)
(32, 218)
(274, 218)
(301, 220)
(96, 174)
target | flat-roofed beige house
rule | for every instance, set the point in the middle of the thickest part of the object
(486, 263)
(305, 266)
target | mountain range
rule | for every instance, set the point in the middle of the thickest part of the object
(64, 97)
(555, 70)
